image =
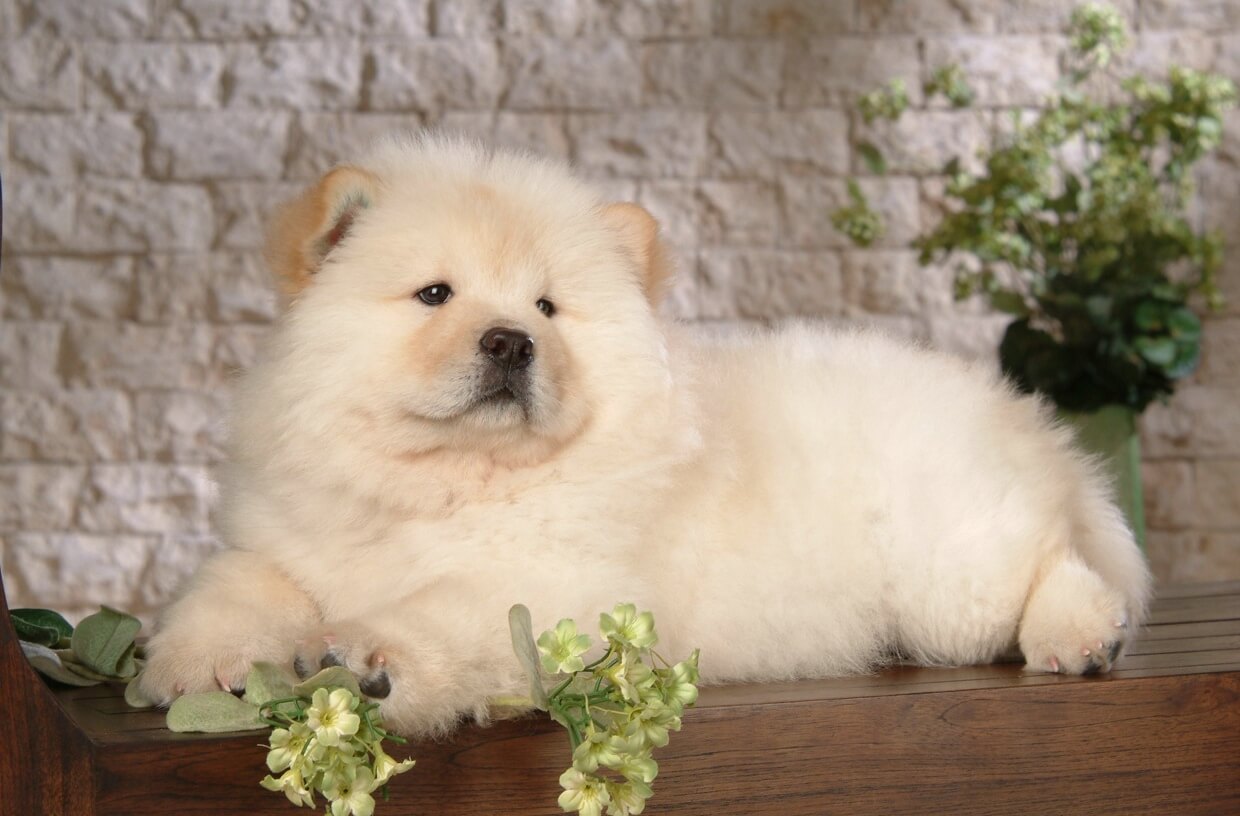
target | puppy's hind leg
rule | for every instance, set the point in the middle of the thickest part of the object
(1073, 621)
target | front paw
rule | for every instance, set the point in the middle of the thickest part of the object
(177, 667)
(353, 646)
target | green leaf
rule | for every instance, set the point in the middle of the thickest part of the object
(1159, 351)
(134, 696)
(41, 626)
(521, 629)
(267, 682)
(1184, 325)
(48, 664)
(71, 662)
(331, 677)
(103, 642)
(213, 712)
(873, 158)
(1010, 302)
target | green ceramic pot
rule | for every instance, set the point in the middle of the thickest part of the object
(1111, 433)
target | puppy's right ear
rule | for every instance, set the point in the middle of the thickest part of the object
(310, 226)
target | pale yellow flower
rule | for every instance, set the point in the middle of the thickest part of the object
(331, 716)
(598, 748)
(628, 798)
(386, 767)
(628, 628)
(287, 745)
(582, 793)
(350, 794)
(561, 648)
(293, 786)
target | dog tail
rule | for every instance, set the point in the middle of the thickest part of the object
(1101, 536)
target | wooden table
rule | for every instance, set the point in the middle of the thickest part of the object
(1161, 734)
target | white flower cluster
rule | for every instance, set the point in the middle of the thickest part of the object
(617, 709)
(332, 746)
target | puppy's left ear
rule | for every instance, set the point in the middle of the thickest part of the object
(639, 234)
(310, 226)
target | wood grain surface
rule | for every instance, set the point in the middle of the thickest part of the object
(1161, 734)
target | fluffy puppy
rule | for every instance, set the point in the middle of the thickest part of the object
(469, 402)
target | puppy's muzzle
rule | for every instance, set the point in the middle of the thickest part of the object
(509, 349)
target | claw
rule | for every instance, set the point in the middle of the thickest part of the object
(1055, 665)
(1085, 653)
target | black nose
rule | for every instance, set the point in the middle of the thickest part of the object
(507, 348)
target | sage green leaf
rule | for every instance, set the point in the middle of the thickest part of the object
(873, 158)
(267, 682)
(213, 712)
(1184, 325)
(70, 662)
(134, 696)
(103, 641)
(42, 626)
(522, 630)
(48, 664)
(1160, 351)
(331, 677)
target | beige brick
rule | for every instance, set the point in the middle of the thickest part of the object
(129, 356)
(171, 288)
(1051, 16)
(469, 18)
(542, 134)
(94, 20)
(762, 284)
(1200, 421)
(404, 19)
(65, 426)
(760, 18)
(1169, 495)
(320, 141)
(39, 73)
(242, 210)
(128, 216)
(323, 74)
(582, 74)
(175, 559)
(1220, 352)
(193, 145)
(39, 497)
(712, 73)
(224, 19)
(29, 355)
(640, 144)
(891, 282)
(836, 71)
(38, 215)
(436, 75)
(922, 142)
(713, 212)
(974, 337)
(766, 144)
(808, 203)
(145, 498)
(66, 146)
(240, 289)
(82, 572)
(144, 76)
(1153, 53)
(52, 288)
(1004, 70)
(635, 19)
(1194, 557)
(674, 204)
(930, 16)
(1218, 493)
(180, 426)
(1203, 14)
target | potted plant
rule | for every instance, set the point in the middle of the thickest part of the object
(1077, 225)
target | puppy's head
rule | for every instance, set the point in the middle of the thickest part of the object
(444, 297)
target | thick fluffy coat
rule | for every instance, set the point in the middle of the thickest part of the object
(797, 503)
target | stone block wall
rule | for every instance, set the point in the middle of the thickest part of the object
(143, 141)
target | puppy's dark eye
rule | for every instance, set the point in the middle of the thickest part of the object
(435, 294)
(546, 307)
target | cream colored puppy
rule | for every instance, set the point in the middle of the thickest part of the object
(469, 402)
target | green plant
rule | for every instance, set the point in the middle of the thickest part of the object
(1077, 223)
(616, 709)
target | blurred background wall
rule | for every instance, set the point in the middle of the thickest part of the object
(142, 142)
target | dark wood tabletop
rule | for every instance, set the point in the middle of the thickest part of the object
(1159, 734)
